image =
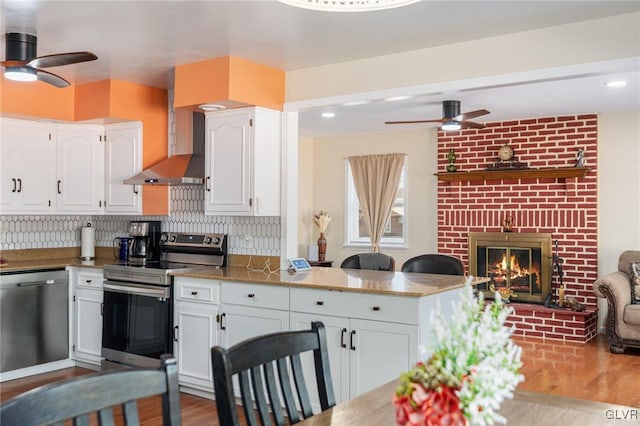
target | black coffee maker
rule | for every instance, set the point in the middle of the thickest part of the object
(145, 245)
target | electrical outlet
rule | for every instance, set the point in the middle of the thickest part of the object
(248, 241)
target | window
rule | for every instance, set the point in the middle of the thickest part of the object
(395, 232)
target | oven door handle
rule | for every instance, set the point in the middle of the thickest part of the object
(138, 291)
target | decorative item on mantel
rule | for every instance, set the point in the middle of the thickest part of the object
(473, 366)
(322, 220)
(507, 160)
(580, 158)
(451, 157)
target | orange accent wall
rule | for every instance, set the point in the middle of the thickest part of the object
(36, 99)
(256, 84)
(229, 78)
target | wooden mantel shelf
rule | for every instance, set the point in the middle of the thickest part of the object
(561, 172)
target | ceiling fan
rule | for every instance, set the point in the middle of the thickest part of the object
(22, 64)
(451, 118)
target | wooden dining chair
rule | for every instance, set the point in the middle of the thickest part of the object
(80, 397)
(254, 362)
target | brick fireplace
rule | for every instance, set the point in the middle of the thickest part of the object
(564, 207)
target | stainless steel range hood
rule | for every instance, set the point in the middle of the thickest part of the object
(186, 167)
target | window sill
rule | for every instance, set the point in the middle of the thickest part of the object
(367, 247)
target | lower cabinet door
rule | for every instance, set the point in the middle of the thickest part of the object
(239, 323)
(88, 325)
(195, 332)
(337, 344)
(379, 352)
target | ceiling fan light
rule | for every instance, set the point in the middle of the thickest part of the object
(451, 126)
(20, 74)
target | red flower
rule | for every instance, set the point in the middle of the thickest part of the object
(440, 407)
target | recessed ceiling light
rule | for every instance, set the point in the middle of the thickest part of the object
(396, 98)
(354, 103)
(211, 107)
(616, 83)
(328, 114)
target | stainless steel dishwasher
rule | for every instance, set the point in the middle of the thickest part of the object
(34, 318)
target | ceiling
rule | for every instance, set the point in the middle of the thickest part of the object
(142, 41)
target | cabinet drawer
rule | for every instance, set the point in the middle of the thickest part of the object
(258, 295)
(196, 290)
(89, 279)
(356, 305)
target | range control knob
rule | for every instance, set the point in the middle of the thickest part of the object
(164, 238)
(216, 240)
(207, 240)
(172, 239)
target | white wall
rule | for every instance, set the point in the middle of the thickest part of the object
(618, 191)
(329, 187)
(306, 208)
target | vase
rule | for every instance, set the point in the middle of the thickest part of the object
(322, 247)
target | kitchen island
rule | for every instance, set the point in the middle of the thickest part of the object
(376, 321)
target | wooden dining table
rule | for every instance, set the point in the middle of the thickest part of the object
(527, 408)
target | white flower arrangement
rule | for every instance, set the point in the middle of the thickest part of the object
(322, 220)
(473, 367)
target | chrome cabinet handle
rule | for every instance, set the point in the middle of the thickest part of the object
(208, 184)
(342, 332)
(351, 346)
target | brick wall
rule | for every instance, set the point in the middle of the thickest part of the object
(564, 207)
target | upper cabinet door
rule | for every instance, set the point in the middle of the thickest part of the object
(80, 171)
(123, 160)
(242, 166)
(27, 152)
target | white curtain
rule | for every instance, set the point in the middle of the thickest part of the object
(376, 179)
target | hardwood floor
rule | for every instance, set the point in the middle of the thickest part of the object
(585, 371)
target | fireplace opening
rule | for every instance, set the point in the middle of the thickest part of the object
(520, 262)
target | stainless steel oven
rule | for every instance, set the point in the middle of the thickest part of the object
(137, 324)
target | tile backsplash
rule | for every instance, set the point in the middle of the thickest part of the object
(247, 235)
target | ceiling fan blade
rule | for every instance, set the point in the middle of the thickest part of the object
(471, 125)
(13, 63)
(52, 79)
(59, 59)
(413, 122)
(472, 114)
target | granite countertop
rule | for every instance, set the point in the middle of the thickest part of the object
(356, 280)
(56, 263)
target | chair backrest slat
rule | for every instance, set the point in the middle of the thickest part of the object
(260, 397)
(258, 356)
(105, 417)
(301, 387)
(130, 413)
(245, 394)
(272, 390)
(287, 390)
(77, 397)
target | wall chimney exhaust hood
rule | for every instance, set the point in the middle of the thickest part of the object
(186, 167)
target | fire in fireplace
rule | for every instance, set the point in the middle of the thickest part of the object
(520, 262)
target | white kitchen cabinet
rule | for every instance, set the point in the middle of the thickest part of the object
(371, 338)
(250, 310)
(123, 159)
(242, 162)
(80, 169)
(27, 150)
(196, 312)
(87, 301)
